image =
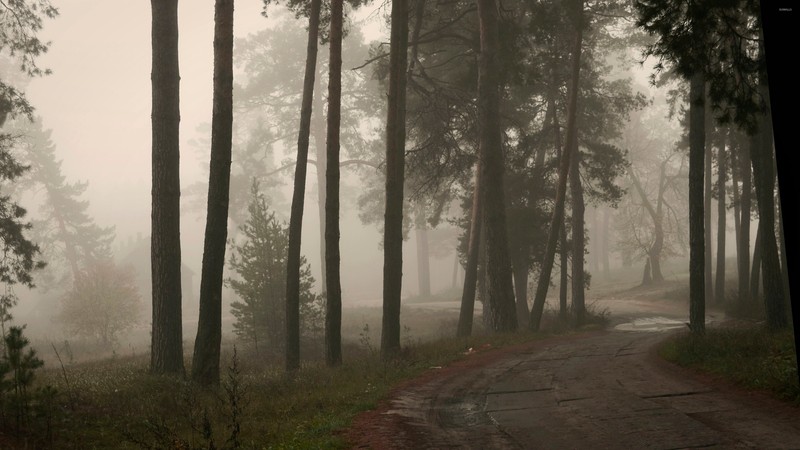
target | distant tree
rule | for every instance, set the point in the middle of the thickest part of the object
(260, 264)
(166, 353)
(570, 147)
(69, 238)
(103, 303)
(205, 363)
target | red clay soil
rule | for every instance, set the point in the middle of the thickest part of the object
(376, 429)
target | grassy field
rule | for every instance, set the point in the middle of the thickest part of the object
(115, 403)
(748, 356)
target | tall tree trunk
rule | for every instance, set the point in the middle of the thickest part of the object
(333, 305)
(563, 173)
(743, 256)
(564, 275)
(697, 137)
(521, 269)
(734, 165)
(292, 356)
(594, 242)
(764, 178)
(423, 254)
(473, 253)
(395, 176)
(604, 248)
(755, 269)
(722, 166)
(578, 279)
(707, 182)
(167, 335)
(647, 277)
(782, 247)
(490, 147)
(205, 363)
(319, 130)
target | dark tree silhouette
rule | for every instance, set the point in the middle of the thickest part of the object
(205, 363)
(166, 346)
(298, 195)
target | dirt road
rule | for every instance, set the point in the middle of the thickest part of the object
(592, 391)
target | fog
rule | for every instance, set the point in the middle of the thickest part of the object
(97, 104)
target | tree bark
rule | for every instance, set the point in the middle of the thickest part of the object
(764, 177)
(604, 247)
(501, 292)
(564, 275)
(697, 137)
(166, 341)
(755, 269)
(395, 178)
(743, 255)
(733, 162)
(722, 167)
(423, 254)
(333, 305)
(563, 174)
(578, 207)
(292, 356)
(473, 250)
(205, 363)
(707, 182)
(521, 269)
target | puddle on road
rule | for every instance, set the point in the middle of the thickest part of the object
(654, 324)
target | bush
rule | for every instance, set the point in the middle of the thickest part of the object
(103, 303)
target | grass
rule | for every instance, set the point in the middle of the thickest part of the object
(115, 403)
(750, 357)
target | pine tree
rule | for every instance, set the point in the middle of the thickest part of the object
(260, 265)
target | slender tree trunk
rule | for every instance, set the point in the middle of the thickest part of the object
(205, 363)
(320, 135)
(744, 227)
(395, 176)
(483, 273)
(647, 277)
(473, 252)
(782, 245)
(707, 182)
(755, 269)
(455, 270)
(333, 305)
(594, 242)
(423, 254)
(764, 177)
(564, 281)
(167, 336)
(734, 165)
(722, 166)
(604, 248)
(578, 279)
(521, 269)
(563, 173)
(292, 356)
(697, 137)
(501, 291)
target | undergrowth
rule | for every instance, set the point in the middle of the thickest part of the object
(751, 357)
(117, 404)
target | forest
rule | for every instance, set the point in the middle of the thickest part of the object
(401, 224)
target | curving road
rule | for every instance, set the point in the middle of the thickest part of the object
(595, 391)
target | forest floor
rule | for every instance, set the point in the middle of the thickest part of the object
(598, 389)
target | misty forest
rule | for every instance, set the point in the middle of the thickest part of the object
(401, 224)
